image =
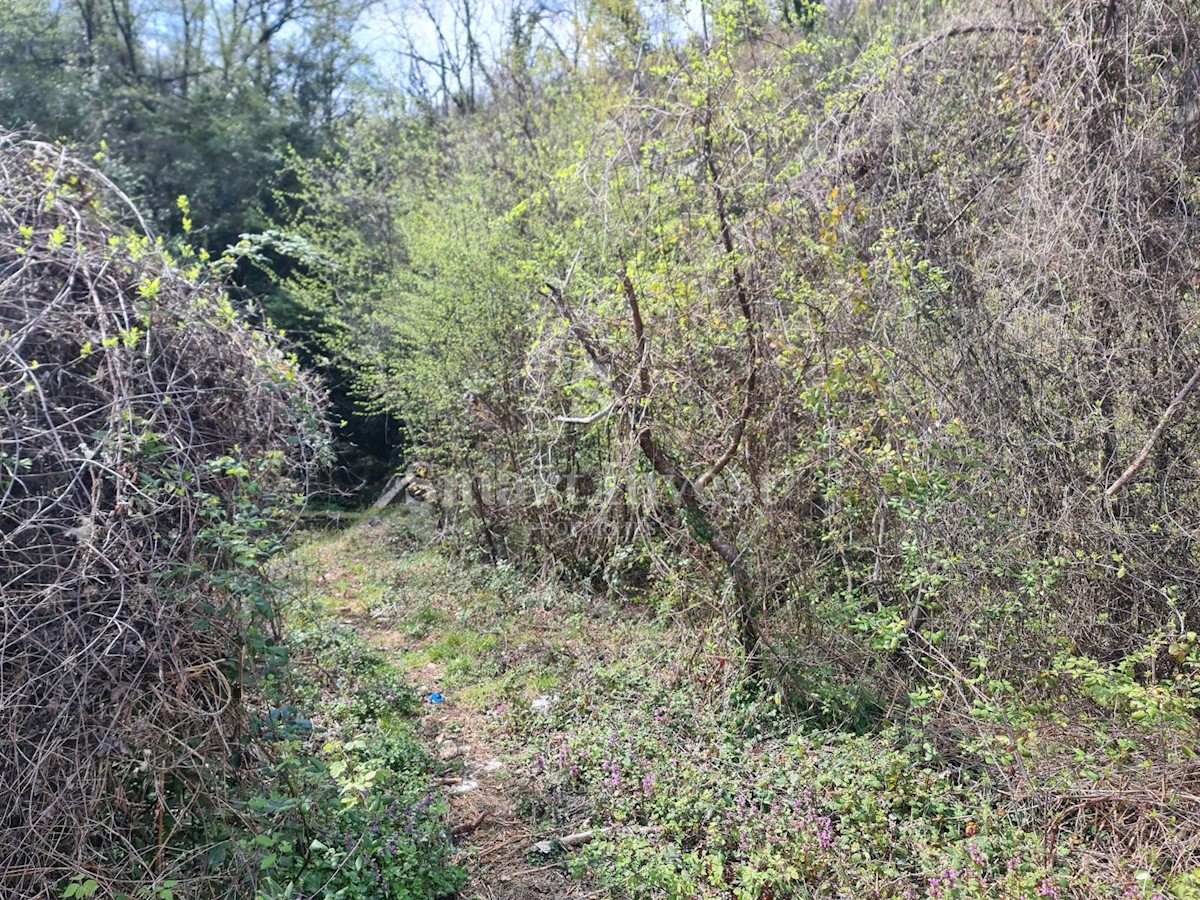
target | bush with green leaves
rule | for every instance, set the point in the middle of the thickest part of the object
(873, 341)
(154, 448)
(349, 809)
(729, 311)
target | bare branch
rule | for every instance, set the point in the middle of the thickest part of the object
(1163, 421)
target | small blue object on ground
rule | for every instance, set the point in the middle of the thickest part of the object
(436, 698)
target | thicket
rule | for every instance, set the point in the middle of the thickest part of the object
(172, 723)
(153, 448)
(202, 98)
(872, 335)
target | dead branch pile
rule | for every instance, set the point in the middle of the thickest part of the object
(137, 414)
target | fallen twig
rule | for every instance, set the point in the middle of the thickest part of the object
(468, 827)
(571, 841)
(496, 847)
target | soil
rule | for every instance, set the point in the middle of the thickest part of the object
(495, 843)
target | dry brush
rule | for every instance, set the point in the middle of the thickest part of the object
(149, 439)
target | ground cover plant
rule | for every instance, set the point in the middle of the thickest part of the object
(348, 808)
(613, 718)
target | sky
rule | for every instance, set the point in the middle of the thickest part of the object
(394, 28)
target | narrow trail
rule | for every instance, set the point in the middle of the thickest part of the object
(485, 650)
(495, 841)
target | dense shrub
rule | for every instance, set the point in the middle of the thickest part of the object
(152, 446)
(874, 342)
(821, 334)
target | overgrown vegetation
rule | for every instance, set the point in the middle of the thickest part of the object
(136, 511)
(348, 809)
(171, 731)
(700, 787)
(858, 340)
(872, 340)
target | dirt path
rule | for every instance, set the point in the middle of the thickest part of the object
(483, 784)
(483, 647)
(494, 841)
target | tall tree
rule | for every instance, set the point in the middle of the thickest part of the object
(197, 97)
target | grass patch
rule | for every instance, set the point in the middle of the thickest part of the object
(353, 812)
(717, 789)
(351, 807)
